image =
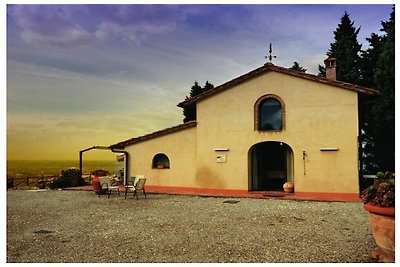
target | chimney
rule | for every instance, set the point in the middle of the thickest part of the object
(330, 67)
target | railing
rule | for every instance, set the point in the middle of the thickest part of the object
(29, 182)
(36, 182)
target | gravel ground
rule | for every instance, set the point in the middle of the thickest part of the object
(78, 226)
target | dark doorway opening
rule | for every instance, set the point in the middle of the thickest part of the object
(271, 165)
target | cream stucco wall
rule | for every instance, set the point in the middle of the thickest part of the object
(180, 147)
(317, 116)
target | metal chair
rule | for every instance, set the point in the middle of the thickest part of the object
(108, 185)
(139, 185)
(130, 185)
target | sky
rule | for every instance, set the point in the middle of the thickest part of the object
(84, 75)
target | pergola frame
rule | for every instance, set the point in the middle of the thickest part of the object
(126, 170)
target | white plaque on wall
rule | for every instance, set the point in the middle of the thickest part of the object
(221, 158)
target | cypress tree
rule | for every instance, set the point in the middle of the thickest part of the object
(195, 89)
(296, 66)
(346, 50)
(190, 113)
(369, 59)
(322, 71)
(380, 120)
(207, 86)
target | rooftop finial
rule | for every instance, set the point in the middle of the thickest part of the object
(270, 57)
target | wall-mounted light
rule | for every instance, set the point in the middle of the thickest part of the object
(221, 149)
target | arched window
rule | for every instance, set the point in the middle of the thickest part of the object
(160, 161)
(269, 114)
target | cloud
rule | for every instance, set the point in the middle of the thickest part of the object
(65, 38)
(72, 25)
(134, 22)
(49, 24)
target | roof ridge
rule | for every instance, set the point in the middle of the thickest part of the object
(271, 67)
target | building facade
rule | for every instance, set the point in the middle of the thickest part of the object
(256, 132)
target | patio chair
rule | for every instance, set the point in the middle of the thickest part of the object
(108, 185)
(130, 184)
(138, 185)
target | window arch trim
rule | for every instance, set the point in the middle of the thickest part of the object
(160, 161)
(257, 107)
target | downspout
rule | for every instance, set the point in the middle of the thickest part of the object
(126, 168)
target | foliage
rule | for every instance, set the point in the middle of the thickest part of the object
(296, 66)
(374, 68)
(346, 50)
(369, 58)
(207, 86)
(71, 172)
(69, 177)
(60, 182)
(322, 71)
(100, 172)
(195, 89)
(189, 113)
(379, 122)
(382, 192)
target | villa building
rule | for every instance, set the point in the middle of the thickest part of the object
(256, 132)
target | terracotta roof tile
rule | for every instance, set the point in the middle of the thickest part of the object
(154, 134)
(271, 67)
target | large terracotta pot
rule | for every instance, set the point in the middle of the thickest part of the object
(382, 226)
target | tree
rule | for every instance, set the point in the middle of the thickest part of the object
(207, 86)
(380, 120)
(296, 66)
(369, 59)
(322, 71)
(189, 113)
(346, 50)
(195, 89)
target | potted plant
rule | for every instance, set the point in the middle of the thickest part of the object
(379, 201)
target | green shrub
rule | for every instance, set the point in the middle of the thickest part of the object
(68, 178)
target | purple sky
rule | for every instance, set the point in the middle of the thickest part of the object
(83, 75)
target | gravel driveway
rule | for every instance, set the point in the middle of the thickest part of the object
(78, 226)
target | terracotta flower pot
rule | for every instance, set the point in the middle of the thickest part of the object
(288, 187)
(382, 226)
(96, 186)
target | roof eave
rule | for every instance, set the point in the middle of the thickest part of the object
(272, 67)
(131, 141)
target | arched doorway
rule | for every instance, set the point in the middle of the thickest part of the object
(270, 166)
